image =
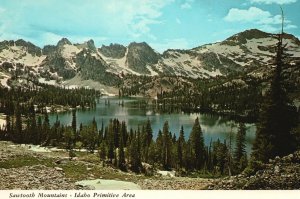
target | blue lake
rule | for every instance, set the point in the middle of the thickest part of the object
(213, 127)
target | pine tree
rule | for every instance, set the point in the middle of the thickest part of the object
(167, 140)
(8, 127)
(180, 147)
(33, 126)
(39, 130)
(135, 154)
(277, 116)
(152, 157)
(159, 147)
(102, 151)
(149, 132)
(124, 133)
(146, 140)
(121, 158)
(89, 136)
(110, 141)
(69, 138)
(46, 128)
(18, 136)
(240, 149)
(220, 156)
(197, 146)
(116, 132)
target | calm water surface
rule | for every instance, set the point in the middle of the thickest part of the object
(213, 127)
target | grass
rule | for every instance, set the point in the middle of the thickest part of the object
(88, 157)
(78, 170)
(25, 161)
(75, 170)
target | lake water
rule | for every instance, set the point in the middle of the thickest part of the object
(213, 127)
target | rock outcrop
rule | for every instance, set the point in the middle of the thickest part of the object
(279, 174)
(34, 177)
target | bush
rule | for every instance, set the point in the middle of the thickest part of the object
(253, 167)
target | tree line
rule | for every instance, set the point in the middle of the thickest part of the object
(44, 95)
(133, 149)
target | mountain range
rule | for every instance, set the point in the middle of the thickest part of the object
(75, 65)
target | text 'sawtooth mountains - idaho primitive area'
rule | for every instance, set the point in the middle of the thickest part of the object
(110, 67)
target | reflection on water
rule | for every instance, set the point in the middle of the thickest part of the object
(214, 127)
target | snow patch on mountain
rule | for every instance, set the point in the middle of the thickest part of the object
(49, 82)
(3, 79)
(19, 54)
(78, 82)
(152, 72)
(69, 51)
(118, 66)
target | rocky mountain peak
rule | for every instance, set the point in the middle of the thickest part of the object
(31, 48)
(139, 45)
(63, 42)
(140, 55)
(91, 45)
(49, 49)
(116, 51)
(242, 37)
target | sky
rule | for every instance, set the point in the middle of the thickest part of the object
(163, 24)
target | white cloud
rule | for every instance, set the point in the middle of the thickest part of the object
(135, 16)
(281, 2)
(48, 20)
(178, 43)
(256, 16)
(277, 19)
(290, 26)
(187, 4)
(253, 14)
(269, 28)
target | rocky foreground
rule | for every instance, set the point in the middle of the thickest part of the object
(21, 168)
(15, 176)
(176, 183)
(34, 177)
(279, 174)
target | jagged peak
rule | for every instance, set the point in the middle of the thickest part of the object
(21, 42)
(139, 44)
(91, 45)
(63, 41)
(90, 42)
(113, 50)
(112, 45)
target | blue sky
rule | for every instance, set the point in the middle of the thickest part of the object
(163, 24)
